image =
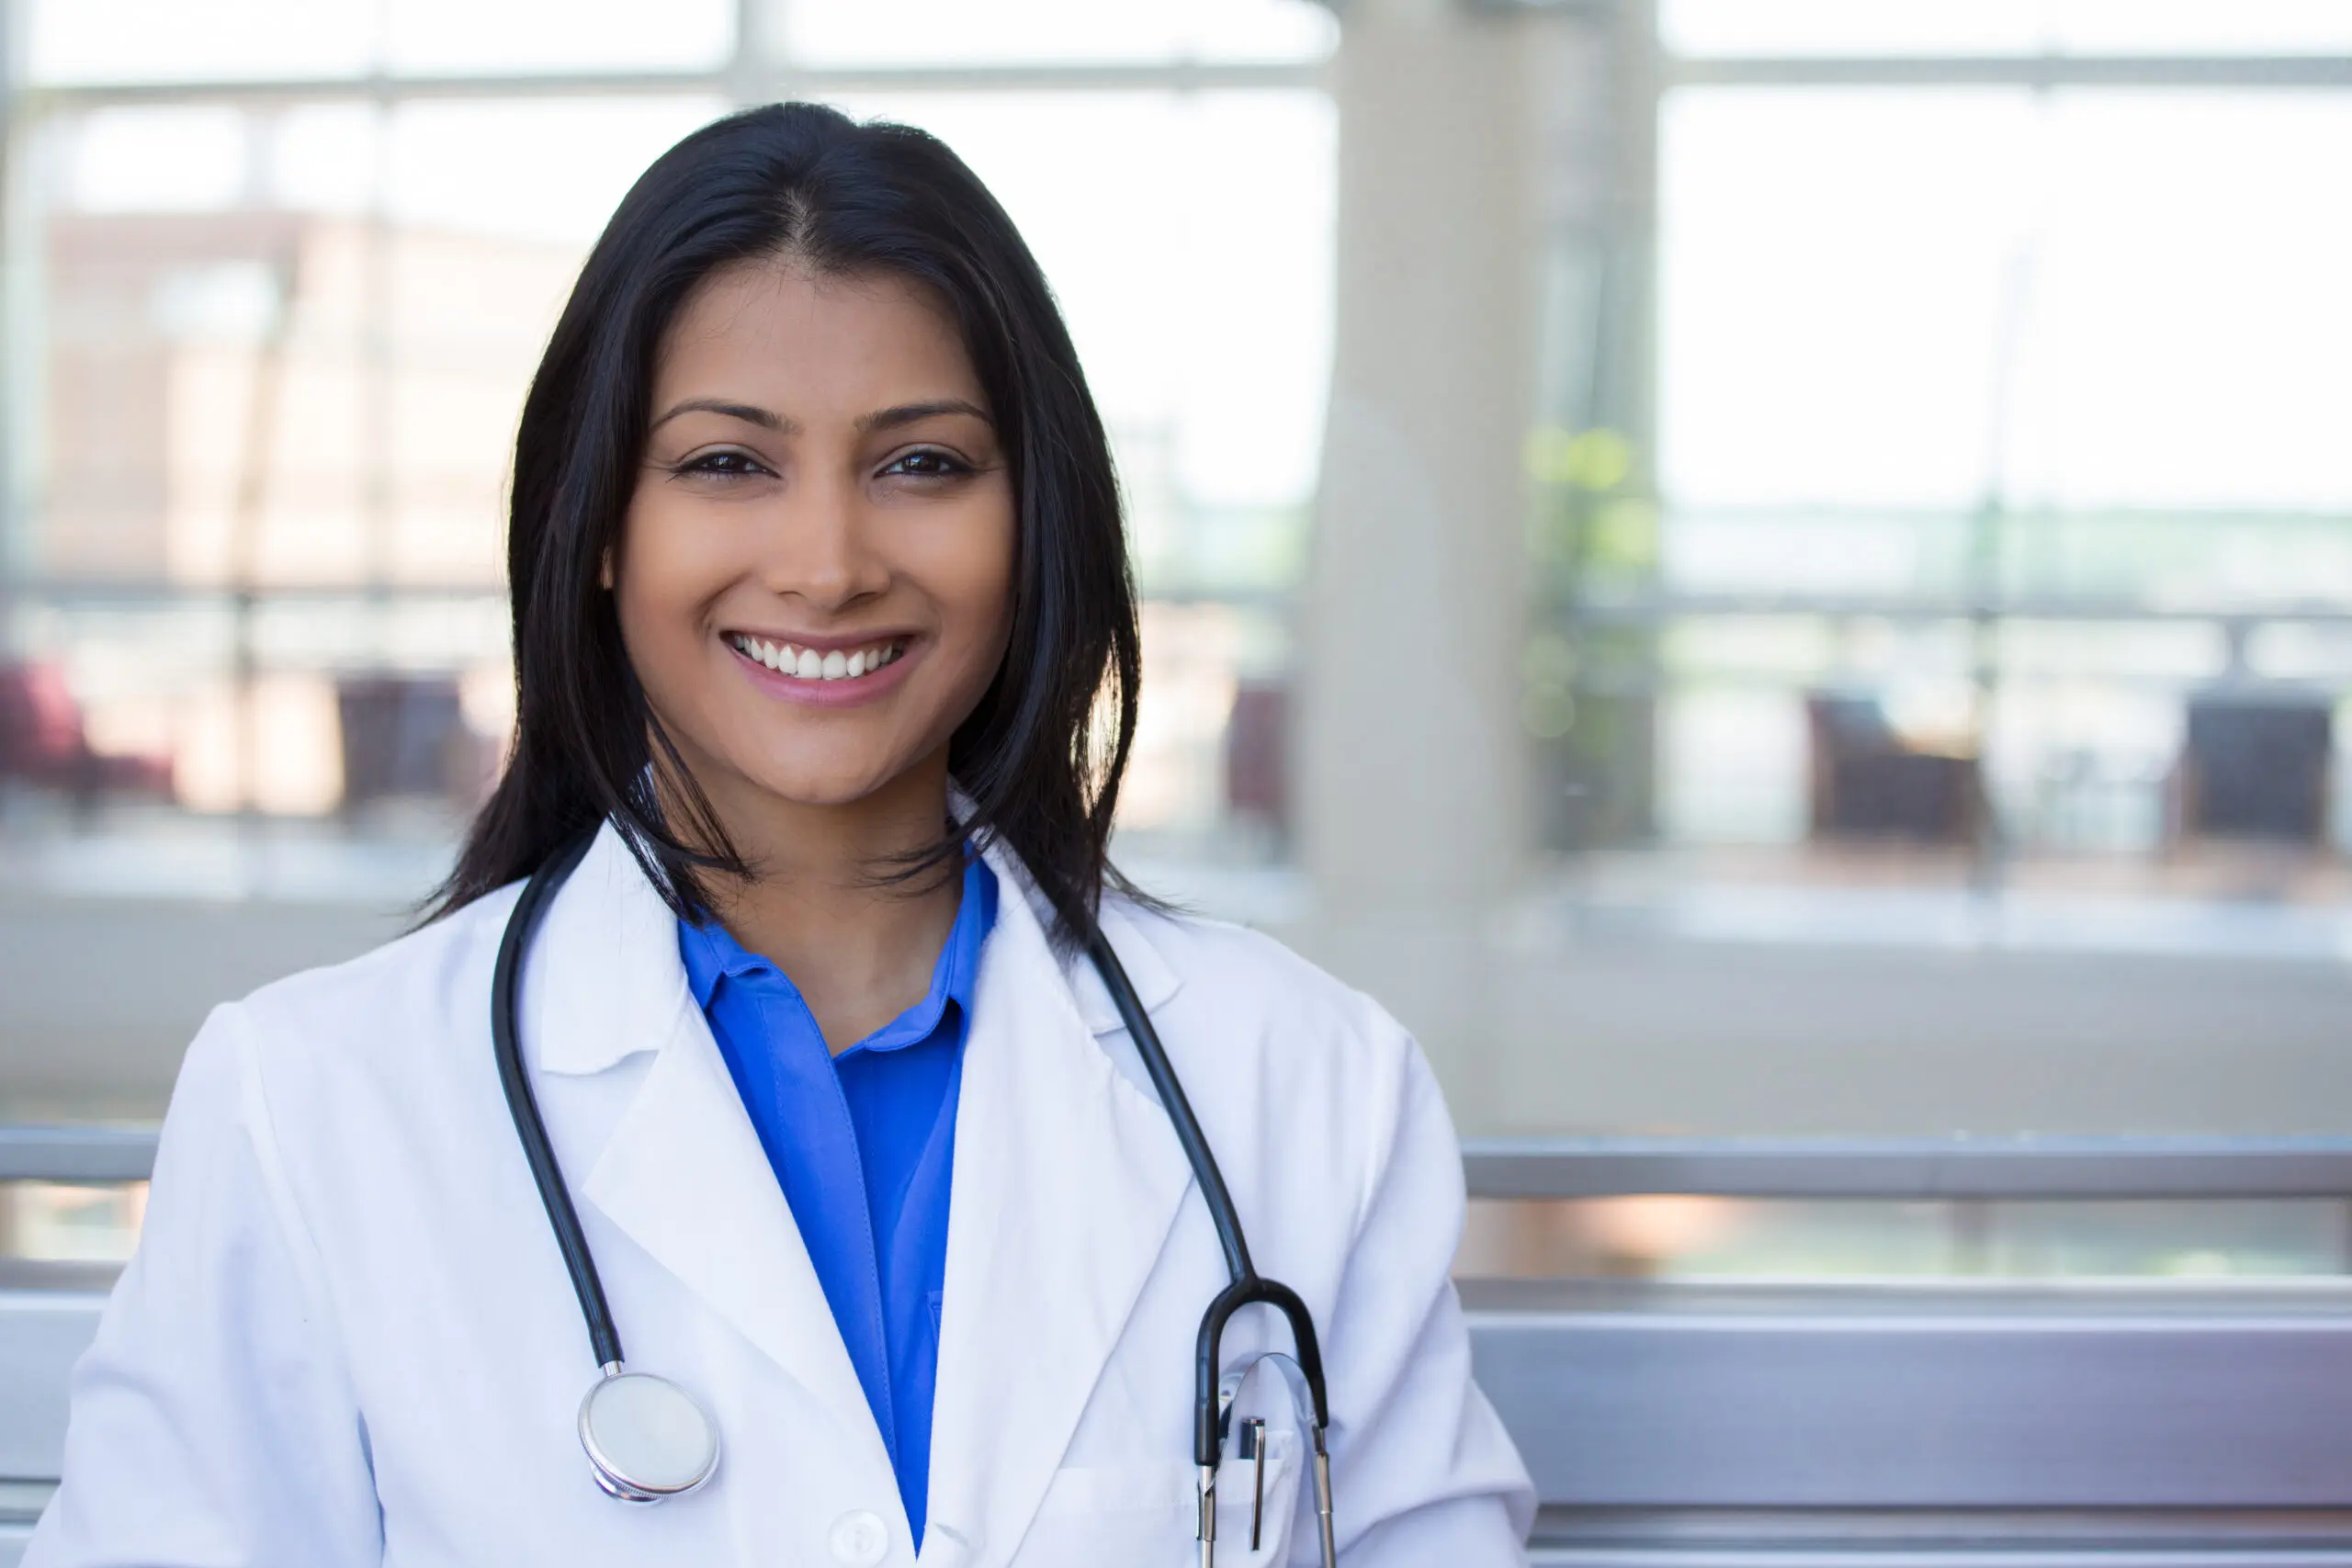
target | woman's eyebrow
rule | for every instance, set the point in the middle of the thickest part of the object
(750, 414)
(908, 414)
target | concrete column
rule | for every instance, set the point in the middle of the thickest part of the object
(1412, 822)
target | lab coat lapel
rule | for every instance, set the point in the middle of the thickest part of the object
(682, 1174)
(1067, 1181)
(686, 1178)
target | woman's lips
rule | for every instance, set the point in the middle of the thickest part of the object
(808, 663)
(839, 676)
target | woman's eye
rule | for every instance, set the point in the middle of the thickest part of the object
(927, 465)
(722, 465)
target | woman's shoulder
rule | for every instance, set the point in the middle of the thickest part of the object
(1234, 954)
(402, 993)
(1252, 985)
(1277, 1052)
(332, 1075)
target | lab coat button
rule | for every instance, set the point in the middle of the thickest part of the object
(860, 1540)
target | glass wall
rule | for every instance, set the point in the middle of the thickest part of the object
(2015, 420)
(1944, 523)
(1986, 519)
(1937, 541)
(279, 278)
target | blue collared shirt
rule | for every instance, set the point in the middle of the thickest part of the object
(863, 1145)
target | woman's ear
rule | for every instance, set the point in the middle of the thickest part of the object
(605, 569)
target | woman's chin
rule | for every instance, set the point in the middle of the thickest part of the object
(830, 788)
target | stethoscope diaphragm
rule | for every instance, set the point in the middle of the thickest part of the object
(648, 1438)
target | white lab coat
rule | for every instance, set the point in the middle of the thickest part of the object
(347, 1336)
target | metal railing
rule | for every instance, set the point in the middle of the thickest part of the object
(1867, 1424)
(76, 1153)
(1987, 1169)
(1906, 1168)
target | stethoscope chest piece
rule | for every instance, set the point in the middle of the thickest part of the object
(648, 1438)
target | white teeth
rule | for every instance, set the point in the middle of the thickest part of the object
(808, 664)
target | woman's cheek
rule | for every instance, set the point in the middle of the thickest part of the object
(660, 604)
(988, 573)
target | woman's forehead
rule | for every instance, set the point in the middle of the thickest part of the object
(785, 330)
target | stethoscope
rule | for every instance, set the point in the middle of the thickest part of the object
(649, 1439)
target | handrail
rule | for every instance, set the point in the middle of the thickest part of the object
(76, 1153)
(1911, 1169)
(1892, 1169)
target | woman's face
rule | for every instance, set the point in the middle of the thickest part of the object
(815, 577)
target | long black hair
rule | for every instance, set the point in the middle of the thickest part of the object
(1041, 755)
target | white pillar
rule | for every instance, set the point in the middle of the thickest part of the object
(1411, 818)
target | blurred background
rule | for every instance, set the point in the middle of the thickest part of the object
(1758, 570)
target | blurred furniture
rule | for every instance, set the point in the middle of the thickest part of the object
(42, 741)
(2256, 767)
(1257, 740)
(404, 736)
(1867, 781)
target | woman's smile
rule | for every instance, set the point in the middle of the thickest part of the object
(814, 578)
(824, 672)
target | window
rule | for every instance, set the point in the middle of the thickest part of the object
(1947, 551)
(282, 276)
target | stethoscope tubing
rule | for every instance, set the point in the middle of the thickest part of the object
(1248, 1287)
(1172, 1100)
(547, 1174)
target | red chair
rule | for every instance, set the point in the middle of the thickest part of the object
(42, 741)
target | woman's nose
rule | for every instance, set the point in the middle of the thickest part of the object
(820, 549)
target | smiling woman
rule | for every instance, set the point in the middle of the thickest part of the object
(822, 484)
(849, 1077)
(842, 497)
(847, 418)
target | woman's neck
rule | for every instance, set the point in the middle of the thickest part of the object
(859, 950)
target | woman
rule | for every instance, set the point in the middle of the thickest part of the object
(824, 632)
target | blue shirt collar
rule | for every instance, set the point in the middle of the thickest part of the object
(711, 955)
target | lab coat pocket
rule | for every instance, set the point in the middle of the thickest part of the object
(1145, 1513)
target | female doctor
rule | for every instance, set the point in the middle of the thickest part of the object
(827, 657)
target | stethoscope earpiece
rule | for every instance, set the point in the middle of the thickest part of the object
(648, 1438)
